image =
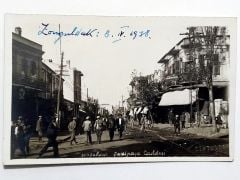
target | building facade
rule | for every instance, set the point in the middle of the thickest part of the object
(27, 84)
(199, 62)
(49, 96)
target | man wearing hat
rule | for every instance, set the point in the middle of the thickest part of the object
(52, 132)
(98, 127)
(120, 125)
(177, 124)
(39, 128)
(72, 130)
(19, 134)
(87, 127)
(111, 126)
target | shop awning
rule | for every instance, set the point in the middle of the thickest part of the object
(139, 110)
(179, 97)
(145, 110)
(135, 110)
(131, 113)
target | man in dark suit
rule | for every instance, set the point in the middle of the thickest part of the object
(120, 125)
(111, 126)
(52, 139)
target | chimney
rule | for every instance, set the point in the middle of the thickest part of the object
(18, 30)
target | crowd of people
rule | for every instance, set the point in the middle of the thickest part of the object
(22, 132)
(110, 123)
(179, 121)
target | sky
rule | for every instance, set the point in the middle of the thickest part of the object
(106, 61)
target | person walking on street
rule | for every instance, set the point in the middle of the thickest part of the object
(98, 126)
(87, 127)
(171, 117)
(187, 117)
(143, 123)
(52, 131)
(219, 122)
(131, 121)
(182, 117)
(39, 128)
(149, 122)
(13, 139)
(177, 124)
(27, 136)
(126, 121)
(111, 127)
(120, 125)
(72, 130)
(19, 134)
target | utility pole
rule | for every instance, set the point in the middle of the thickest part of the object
(210, 41)
(87, 94)
(122, 100)
(60, 84)
(123, 106)
(191, 37)
(59, 91)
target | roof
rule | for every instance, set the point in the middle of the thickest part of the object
(48, 67)
(26, 41)
(170, 52)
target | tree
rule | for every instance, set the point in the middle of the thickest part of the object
(206, 39)
(146, 90)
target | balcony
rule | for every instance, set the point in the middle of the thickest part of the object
(31, 82)
(182, 79)
(187, 44)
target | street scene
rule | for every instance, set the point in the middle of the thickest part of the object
(127, 90)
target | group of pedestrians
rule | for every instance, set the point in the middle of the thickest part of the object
(110, 123)
(145, 123)
(21, 133)
(179, 121)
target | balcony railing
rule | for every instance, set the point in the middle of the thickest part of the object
(30, 81)
(196, 77)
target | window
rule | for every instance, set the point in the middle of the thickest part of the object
(216, 65)
(201, 61)
(33, 68)
(186, 67)
(216, 70)
(43, 75)
(215, 59)
(177, 67)
(173, 68)
(24, 68)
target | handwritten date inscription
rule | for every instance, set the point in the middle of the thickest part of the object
(123, 32)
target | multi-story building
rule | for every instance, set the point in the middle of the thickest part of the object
(71, 96)
(35, 83)
(27, 84)
(190, 67)
(51, 81)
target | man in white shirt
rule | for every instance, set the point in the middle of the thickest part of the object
(87, 127)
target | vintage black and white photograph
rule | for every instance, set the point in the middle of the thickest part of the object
(96, 89)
